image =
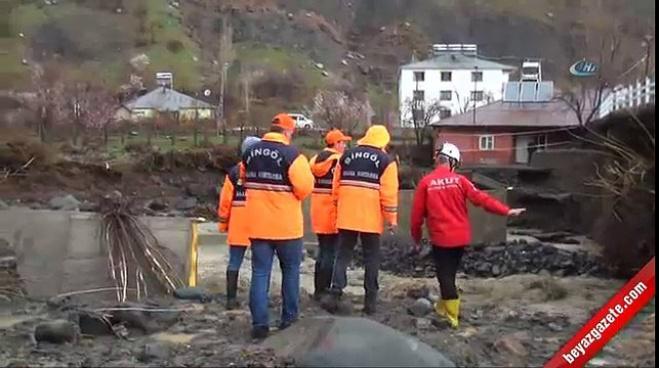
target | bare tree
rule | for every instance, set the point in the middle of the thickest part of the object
(339, 110)
(420, 114)
(225, 57)
(49, 102)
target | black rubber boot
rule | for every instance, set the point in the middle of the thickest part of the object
(331, 300)
(322, 283)
(232, 290)
(260, 333)
(317, 283)
(370, 303)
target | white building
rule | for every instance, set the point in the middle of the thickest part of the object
(455, 78)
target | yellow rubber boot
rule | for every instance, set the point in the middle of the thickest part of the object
(440, 308)
(453, 311)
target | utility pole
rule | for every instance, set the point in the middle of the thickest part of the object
(474, 93)
(648, 53)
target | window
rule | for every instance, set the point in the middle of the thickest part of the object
(476, 76)
(447, 76)
(486, 142)
(477, 96)
(419, 95)
(445, 95)
(541, 141)
(444, 113)
(419, 76)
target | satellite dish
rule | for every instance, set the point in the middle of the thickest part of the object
(207, 92)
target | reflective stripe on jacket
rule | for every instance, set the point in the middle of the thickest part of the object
(277, 178)
(231, 209)
(323, 208)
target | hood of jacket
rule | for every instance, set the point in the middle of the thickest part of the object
(376, 136)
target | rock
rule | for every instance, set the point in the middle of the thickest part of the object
(319, 66)
(407, 24)
(290, 16)
(64, 203)
(3, 205)
(555, 327)
(496, 270)
(192, 293)
(383, 28)
(418, 292)
(422, 323)
(434, 298)
(344, 62)
(119, 10)
(185, 204)
(57, 332)
(58, 302)
(364, 69)
(512, 345)
(87, 206)
(93, 324)
(325, 73)
(200, 191)
(156, 205)
(154, 351)
(420, 308)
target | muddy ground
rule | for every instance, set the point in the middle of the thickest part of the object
(512, 321)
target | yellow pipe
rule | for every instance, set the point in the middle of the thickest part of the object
(194, 255)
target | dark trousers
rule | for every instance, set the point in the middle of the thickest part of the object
(371, 246)
(447, 262)
(327, 244)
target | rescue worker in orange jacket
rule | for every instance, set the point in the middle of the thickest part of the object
(277, 178)
(233, 221)
(323, 210)
(365, 188)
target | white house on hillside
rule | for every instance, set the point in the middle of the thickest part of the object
(455, 77)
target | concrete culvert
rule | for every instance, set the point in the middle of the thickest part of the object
(352, 342)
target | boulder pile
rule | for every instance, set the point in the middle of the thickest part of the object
(493, 261)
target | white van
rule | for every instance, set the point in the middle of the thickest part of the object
(302, 122)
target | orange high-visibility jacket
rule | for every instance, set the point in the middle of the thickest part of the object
(323, 209)
(277, 179)
(231, 210)
(365, 186)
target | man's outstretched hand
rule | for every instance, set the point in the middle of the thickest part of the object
(514, 212)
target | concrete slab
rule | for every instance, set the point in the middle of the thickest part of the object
(59, 251)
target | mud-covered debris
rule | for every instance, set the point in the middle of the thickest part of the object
(184, 204)
(192, 293)
(511, 344)
(57, 332)
(418, 292)
(154, 351)
(495, 261)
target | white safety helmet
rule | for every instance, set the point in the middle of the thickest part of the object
(451, 151)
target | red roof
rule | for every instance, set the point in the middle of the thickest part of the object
(513, 114)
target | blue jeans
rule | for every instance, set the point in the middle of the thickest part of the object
(289, 253)
(236, 255)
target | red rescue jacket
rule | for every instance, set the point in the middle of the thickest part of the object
(441, 199)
